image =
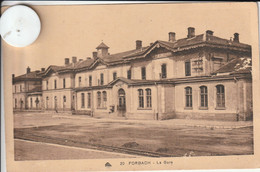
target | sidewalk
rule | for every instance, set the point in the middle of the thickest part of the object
(178, 122)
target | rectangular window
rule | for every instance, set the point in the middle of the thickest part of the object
(89, 100)
(129, 74)
(20, 88)
(188, 95)
(101, 79)
(164, 71)
(114, 75)
(143, 72)
(80, 81)
(82, 100)
(187, 68)
(15, 88)
(90, 80)
(64, 83)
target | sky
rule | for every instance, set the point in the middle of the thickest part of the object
(77, 30)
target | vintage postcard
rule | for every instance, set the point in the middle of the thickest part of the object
(135, 87)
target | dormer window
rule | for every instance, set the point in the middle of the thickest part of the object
(164, 71)
(101, 79)
(55, 84)
(187, 68)
(114, 75)
(129, 74)
(143, 73)
(80, 81)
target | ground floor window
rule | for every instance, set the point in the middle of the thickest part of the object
(188, 95)
(104, 99)
(82, 100)
(89, 100)
(141, 98)
(203, 96)
(220, 96)
(99, 99)
(148, 98)
(31, 102)
(64, 101)
(15, 103)
(47, 102)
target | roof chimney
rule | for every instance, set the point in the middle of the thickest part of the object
(42, 69)
(80, 60)
(138, 44)
(67, 61)
(209, 32)
(236, 37)
(28, 70)
(74, 59)
(172, 36)
(13, 75)
(191, 32)
(94, 54)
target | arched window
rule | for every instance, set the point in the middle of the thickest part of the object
(203, 96)
(82, 100)
(104, 99)
(148, 98)
(220, 96)
(64, 98)
(99, 99)
(141, 98)
(188, 96)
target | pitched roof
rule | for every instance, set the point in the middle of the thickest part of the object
(102, 45)
(120, 56)
(237, 65)
(28, 76)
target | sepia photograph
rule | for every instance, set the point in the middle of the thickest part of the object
(134, 81)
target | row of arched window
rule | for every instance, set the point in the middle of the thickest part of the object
(145, 101)
(220, 96)
(55, 102)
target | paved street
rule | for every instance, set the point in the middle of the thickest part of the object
(170, 137)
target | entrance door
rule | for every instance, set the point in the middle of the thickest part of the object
(121, 102)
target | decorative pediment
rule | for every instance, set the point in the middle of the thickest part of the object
(98, 64)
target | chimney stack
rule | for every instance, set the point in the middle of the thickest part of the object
(236, 37)
(42, 69)
(172, 36)
(80, 60)
(94, 54)
(74, 59)
(13, 76)
(209, 32)
(67, 61)
(138, 44)
(28, 70)
(191, 32)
